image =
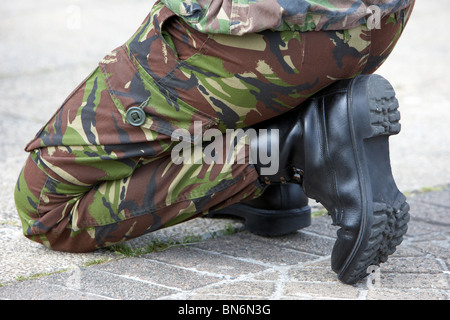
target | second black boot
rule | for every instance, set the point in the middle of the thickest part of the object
(280, 210)
(336, 145)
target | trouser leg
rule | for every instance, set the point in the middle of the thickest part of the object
(158, 193)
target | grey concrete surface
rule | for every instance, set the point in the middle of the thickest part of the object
(48, 47)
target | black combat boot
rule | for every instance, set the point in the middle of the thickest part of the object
(280, 210)
(336, 146)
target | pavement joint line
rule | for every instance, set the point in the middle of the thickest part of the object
(207, 273)
(443, 265)
(248, 260)
(139, 280)
(283, 278)
(69, 288)
(312, 233)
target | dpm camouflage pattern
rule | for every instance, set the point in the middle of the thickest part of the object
(238, 17)
(114, 201)
(94, 179)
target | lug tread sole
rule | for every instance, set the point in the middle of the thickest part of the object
(383, 108)
(385, 235)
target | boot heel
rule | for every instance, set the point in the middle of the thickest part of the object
(268, 223)
(383, 107)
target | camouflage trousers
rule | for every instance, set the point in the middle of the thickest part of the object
(101, 172)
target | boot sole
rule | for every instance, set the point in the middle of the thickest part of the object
(385, 211)
(268, 223)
